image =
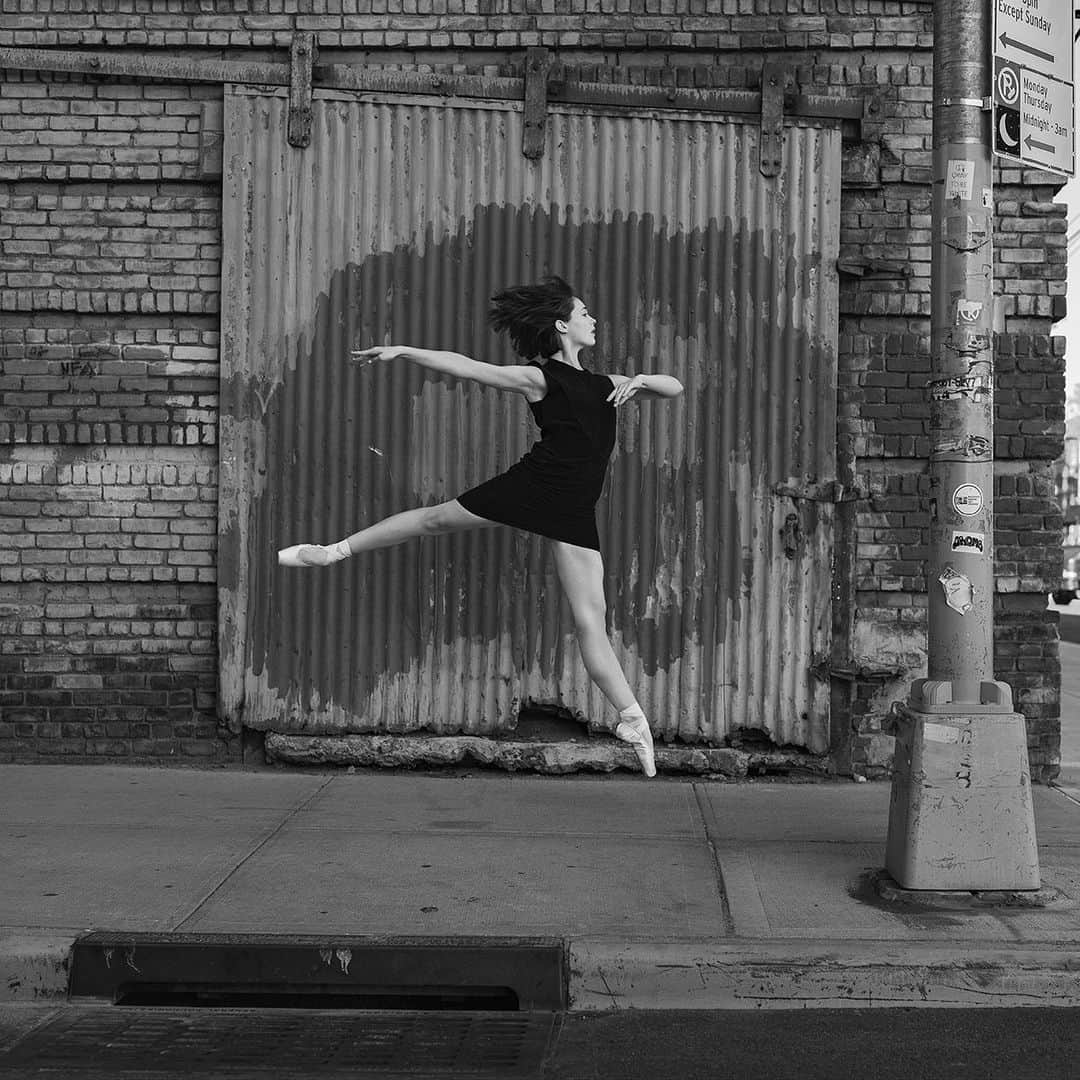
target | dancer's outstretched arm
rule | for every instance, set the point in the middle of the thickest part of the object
(654, 386)
(513, 377)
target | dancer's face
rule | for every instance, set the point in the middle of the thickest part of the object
(580, 325)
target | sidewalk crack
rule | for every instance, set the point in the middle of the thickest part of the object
(253, 852)
(1063, 792)
(708, 825)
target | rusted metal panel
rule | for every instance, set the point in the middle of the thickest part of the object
(397, 223)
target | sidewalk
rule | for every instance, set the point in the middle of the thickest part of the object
(1070, 714)
(665, 893)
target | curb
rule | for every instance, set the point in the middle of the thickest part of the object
(603, 975)
(795, 974)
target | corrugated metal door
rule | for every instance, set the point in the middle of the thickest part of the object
(397, 223)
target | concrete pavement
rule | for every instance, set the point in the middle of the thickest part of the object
(665, 894)
(1070, 714)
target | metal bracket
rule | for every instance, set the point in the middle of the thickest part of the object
(831, 491)
(537, 65)
(302, 58)
(824, 668)
(774, 80)
(860, 267)
(984, 103)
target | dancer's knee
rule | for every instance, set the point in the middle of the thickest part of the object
(433, 520)
(443, 518)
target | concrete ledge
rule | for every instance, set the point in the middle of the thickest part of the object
(553, 758)
(34, 965)
(794, 974)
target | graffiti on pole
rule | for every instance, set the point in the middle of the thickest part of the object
(974, 387)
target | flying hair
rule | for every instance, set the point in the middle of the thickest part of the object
(528, 313)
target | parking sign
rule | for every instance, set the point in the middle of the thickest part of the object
(1033, 83)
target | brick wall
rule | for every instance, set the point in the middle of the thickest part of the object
(110, 286)
(109, 616)
(110, 225)
(434, 26)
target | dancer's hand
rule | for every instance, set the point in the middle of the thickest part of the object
(626, 390)
(376, 353)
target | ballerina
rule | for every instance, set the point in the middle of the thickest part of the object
(553, 490)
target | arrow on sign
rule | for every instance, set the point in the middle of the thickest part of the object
(1009, 42)
(1046, 148)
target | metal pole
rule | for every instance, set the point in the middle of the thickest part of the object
(961, 812)
(960, 627)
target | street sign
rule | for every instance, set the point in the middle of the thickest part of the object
(1033, 83)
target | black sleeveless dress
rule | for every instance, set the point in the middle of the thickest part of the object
(554, 488)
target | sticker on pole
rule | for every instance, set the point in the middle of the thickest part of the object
(959, 179)
(958, 590)
(968, 499)
(968, 543)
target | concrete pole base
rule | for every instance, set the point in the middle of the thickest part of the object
(961, 813)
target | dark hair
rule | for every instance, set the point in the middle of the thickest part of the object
(528, 313)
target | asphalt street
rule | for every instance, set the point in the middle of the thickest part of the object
(822, 1044)
(813, 1044)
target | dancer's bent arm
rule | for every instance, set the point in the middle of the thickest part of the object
(655, 386)
(516, 378)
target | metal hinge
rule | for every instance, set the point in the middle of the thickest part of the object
(776, 83)
(543, 75)
(829, 491)
(824, 668)
(302, 57)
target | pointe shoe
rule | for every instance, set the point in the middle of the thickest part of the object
(638, 735)
(303, 555)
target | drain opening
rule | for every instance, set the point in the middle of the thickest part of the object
(411, 998)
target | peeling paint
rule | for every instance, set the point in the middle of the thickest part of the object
(714, 625)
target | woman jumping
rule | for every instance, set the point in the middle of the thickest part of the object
(554, 488)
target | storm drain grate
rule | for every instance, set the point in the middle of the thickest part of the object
(120, 1042)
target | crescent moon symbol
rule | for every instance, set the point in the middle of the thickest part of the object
(1006, 138)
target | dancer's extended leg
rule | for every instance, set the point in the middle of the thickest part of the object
(581, 572)
(424, 521)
